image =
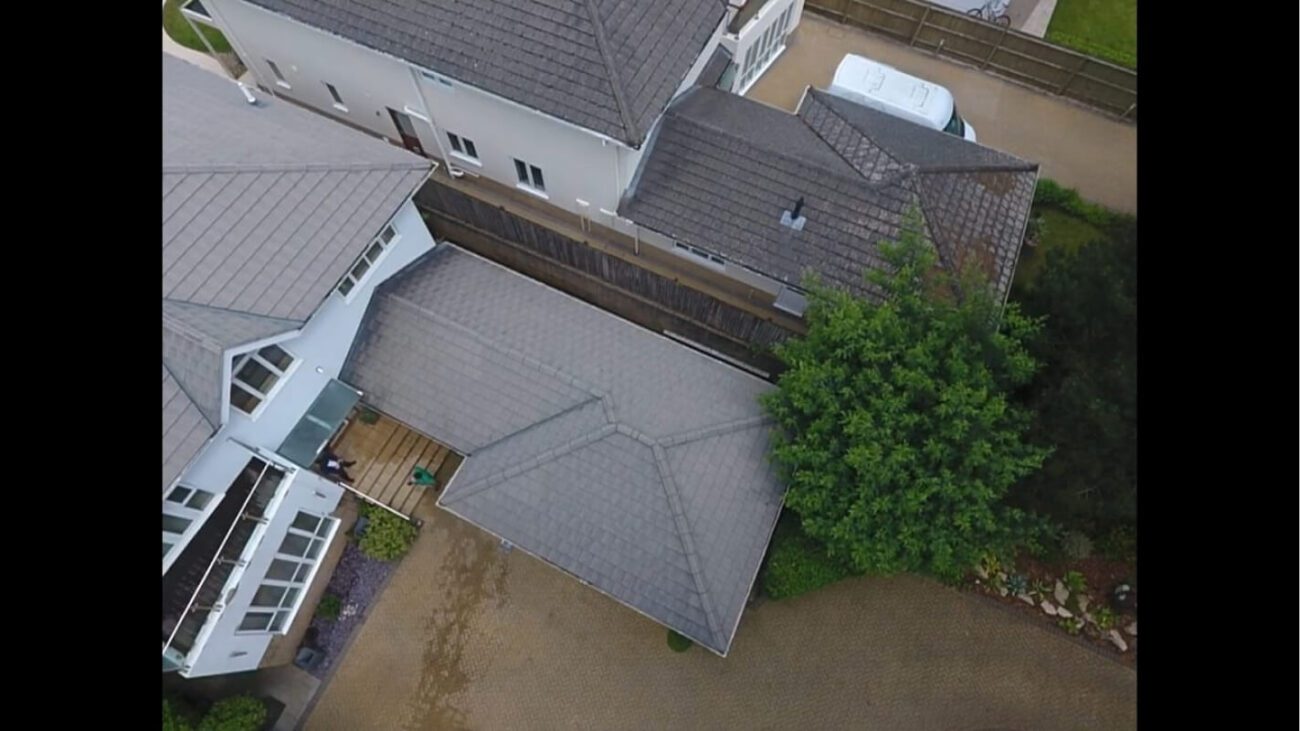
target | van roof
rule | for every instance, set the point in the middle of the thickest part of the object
(893, 87)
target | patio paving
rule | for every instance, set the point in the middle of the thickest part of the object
(469, 637)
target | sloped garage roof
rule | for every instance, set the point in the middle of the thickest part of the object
(623, 458)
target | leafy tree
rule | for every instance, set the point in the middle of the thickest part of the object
(1085, 398)
(897, 441)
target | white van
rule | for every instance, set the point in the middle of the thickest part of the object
(886, 89)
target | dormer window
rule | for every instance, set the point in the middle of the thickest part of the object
(255, 376)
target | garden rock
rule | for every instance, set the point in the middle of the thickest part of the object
(1117, 640)
(1060, 592)
(1026, 599)
(1084, 601)
(1063, 612)
(1049, 608)
(1003, 590)
(1132, 629)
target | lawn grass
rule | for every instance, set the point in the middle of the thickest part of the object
(180, 31)
(1060, 231)
(1106, 29)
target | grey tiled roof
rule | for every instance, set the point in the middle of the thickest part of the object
(185, 429)
(617, 455)
(607, 65)
(723, 168)
(264, 209)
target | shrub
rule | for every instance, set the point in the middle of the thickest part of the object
(1104, 617)
(1076, 545)
(1051, 193)
(679, 643)
(1071, 624)
(796, 563)
(330, 606)
(388, 537)
(174, 718)
(1075, 582)
(1017, 584)
(237, 713)
(1119, 544)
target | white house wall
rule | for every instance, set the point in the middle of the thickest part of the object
(752, 32)
(577, 164)
(319, 351)
(222, 648)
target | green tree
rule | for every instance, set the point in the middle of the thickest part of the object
(1085, 399)
(897, 439)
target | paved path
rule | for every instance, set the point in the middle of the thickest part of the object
(466, 637)
(1076, 147)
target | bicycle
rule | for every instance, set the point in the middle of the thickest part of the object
(993, 11)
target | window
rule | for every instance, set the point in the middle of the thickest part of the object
(334, 94)
(279, 77)
(182, 507)
(530, 176)
(713, 259)
(276, 598)
(190, 497)
(368, 260)
(463, 146)
(196, 7)
(255, 376)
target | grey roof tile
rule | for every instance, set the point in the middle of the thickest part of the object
(185, 430)
(589, 440)
(722, 169)
(607, 65)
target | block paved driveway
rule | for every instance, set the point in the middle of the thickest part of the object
(468, 637)
(1077, 147)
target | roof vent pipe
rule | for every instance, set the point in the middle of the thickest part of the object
(794, 219)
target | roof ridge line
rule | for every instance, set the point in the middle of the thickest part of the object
(908, 168)
(535, 424)
(855, 178)
(532, 463)
(694, 435)
(181, 385)
(615, 80)
(687, 538)
(233, 311)
(243, 167)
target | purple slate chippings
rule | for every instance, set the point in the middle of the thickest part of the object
(357, 581)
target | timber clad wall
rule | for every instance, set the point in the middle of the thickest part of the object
(452, 209)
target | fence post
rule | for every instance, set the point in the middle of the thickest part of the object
(1077, 71)
(920, 24)
(996, 46)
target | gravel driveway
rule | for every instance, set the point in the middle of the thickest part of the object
(466, 636)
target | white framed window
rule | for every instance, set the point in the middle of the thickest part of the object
(279, 76)
(334, 94)
(277, 597)
(369, 258)
(183, 506)
(256, 375)
(530, 177)
(713, 260)
(464, 148)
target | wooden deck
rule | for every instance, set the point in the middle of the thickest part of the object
(386, 452)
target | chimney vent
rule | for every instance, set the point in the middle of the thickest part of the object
(794, 219)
